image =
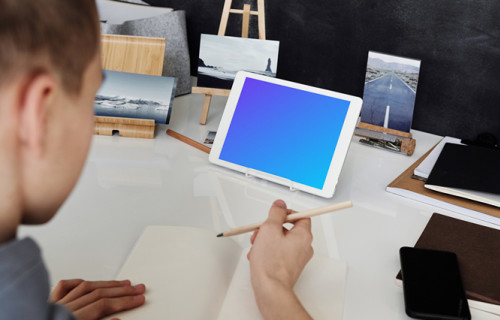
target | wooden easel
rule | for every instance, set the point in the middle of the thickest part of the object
(142, 55)
(246, 12)
(385, 138)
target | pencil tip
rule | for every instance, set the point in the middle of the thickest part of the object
(220, 235)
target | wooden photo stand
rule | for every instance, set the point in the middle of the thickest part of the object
(126, 127)
(385, 138)
(246, 12)
(133, 54)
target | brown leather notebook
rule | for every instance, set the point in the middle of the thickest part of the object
(477, 249)
(406, 182)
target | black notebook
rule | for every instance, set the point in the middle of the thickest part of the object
(469, 172)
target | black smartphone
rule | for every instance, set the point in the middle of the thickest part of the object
(432, 285)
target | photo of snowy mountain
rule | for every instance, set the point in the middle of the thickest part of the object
(222, 57)
(133, 95)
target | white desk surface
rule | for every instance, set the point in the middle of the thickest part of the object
(128, 184)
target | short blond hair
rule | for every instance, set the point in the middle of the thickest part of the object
(62, 35)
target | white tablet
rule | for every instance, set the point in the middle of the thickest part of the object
(285, 132)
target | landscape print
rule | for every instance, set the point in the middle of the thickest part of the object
(222, 57)
(133, 95)
(390, 89)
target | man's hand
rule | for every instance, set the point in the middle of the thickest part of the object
(277, 258)
(89, 300)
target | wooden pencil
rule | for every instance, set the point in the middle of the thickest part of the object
(290, 218)
(189, 141)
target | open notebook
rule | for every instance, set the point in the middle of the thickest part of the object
(191, 274)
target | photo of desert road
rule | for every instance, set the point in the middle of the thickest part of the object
(388, 102)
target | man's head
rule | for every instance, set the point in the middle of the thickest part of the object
(50, 71)
(36, 35)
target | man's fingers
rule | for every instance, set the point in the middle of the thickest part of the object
(254, 235)
(285, 230)
(88, 286)
(277, 214)
(91, 300)
(302, 229)
(302, 225)
(279, 203)
(103, 293)
(63, 287)
(108, 306)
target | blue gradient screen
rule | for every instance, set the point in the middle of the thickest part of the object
(287, 132)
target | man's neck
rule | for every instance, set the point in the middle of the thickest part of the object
(8, 229)
(10, 210)
(10, 191)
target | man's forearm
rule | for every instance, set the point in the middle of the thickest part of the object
(278, 302)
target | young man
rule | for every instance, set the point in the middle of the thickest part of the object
(50, 70)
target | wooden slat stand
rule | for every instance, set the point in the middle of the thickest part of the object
(246, 12)
(126, 127)
(389, 139)
(133, 54)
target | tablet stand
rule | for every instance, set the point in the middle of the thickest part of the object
(136, 55)
(385, 138)
(290, 185)
(246, 12)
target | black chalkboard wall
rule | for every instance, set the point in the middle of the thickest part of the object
(326, 43)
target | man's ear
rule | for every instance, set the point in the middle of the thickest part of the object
(35, 99)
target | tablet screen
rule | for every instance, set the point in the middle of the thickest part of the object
(284, 131)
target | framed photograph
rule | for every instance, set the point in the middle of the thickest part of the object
(222, 57)
(132, 95)
(210, 137)
(390, 89)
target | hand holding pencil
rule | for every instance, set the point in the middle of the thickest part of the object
(289, 218)
(277, 258)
